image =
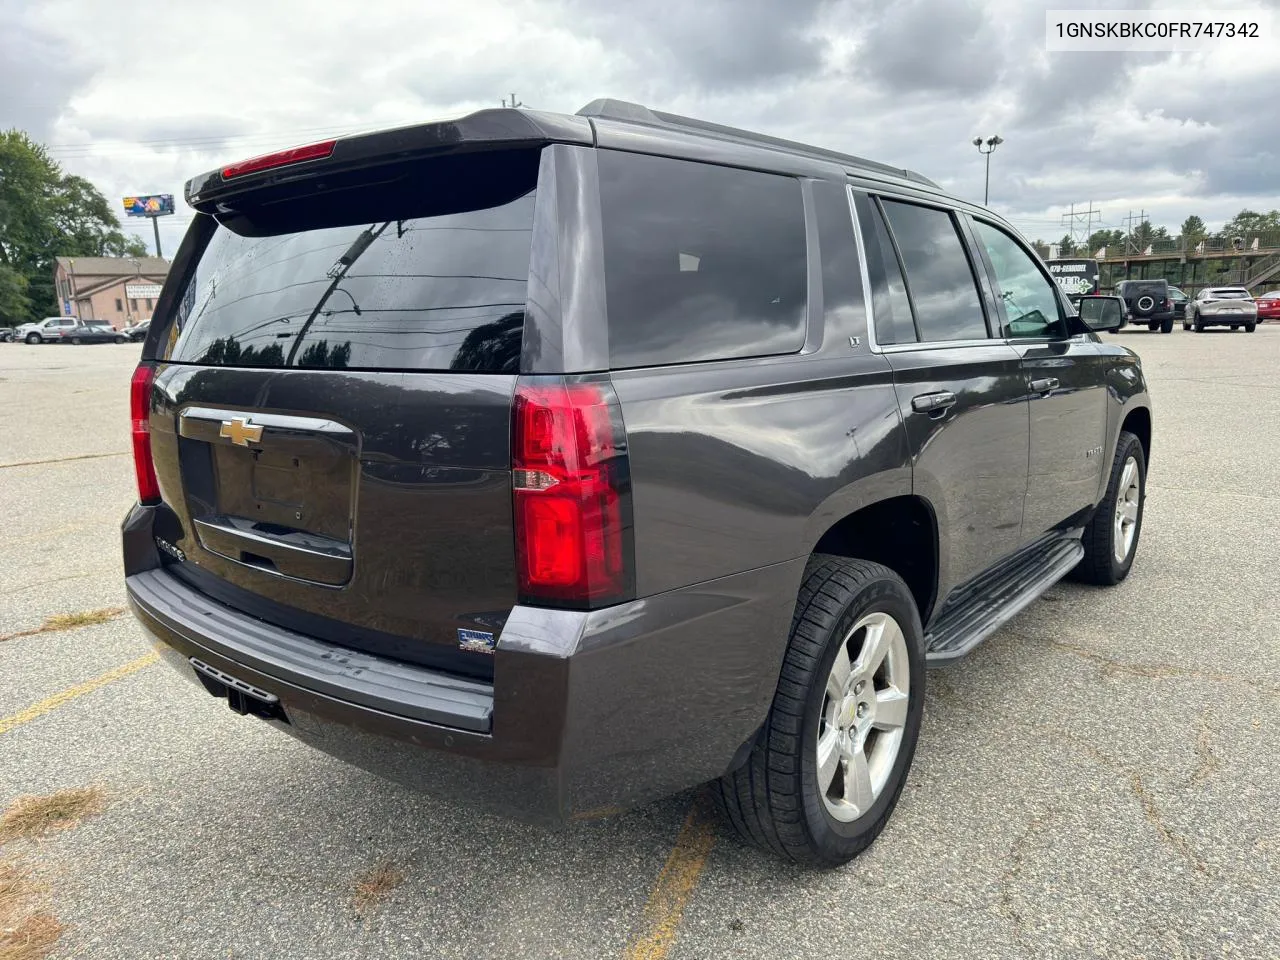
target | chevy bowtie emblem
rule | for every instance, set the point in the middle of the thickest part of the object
(239, 430)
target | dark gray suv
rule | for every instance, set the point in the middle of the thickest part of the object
(560, 463)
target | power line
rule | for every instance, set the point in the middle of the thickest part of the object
(1131, 245)
(1080, 223)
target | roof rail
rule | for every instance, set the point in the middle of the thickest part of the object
(637, 113)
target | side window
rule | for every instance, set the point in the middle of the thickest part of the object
(1030, 304)
(843, 305)
(939, 278)
(701, 262)
(894, 320)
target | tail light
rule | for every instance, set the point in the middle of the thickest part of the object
(140, 429)
(572, 493)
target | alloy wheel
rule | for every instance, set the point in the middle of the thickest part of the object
(864, 716)
(1128, 505)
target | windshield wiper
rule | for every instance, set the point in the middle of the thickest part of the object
(336, 274)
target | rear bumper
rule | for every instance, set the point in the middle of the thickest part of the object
(1159, 316)
(588, 712)
(1220, 319)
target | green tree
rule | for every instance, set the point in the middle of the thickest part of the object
(1248, 223)
(45, 214)
(1193, 231)
(1104, 238)
(15, 307)
(1066, 246)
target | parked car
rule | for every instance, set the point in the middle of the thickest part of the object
(94, 331)
(1147, 301)
(1223, 307)
(6, 334)
(1268, 305)
(1180, 301)
(48, 330)
(612, 454)
(139, 330)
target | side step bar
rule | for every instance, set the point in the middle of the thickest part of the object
(981, 608)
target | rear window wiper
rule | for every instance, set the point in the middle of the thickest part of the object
(335, 275)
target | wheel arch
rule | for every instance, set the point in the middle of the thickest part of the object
(900, 532)
(1138, 422)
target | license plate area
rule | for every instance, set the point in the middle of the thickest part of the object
(272, 491)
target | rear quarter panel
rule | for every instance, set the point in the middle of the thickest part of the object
(739, 465)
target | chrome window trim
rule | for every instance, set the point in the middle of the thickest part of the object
(941, 344)
(858, 237)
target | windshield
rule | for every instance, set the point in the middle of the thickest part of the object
(1229, 295)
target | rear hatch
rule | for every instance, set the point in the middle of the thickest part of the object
(1147, 295)
(331, 409)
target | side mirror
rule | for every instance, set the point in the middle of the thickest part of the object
(1102, 313)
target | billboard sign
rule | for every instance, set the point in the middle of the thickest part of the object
(142, 291)
(156, 205)
(1076, 277)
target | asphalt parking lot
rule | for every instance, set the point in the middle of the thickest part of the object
(1100, 779)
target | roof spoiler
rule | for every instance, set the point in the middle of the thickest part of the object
(483, 130)
(627, 112)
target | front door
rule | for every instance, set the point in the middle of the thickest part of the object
(1063, 381)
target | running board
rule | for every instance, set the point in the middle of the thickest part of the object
(981, 608)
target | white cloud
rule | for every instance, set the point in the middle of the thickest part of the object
(140, 103)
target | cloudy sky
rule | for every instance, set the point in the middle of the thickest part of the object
(138, 97)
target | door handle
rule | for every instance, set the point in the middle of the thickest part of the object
(1045, 386)
(933, 402)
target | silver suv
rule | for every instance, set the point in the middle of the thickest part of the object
(1221, 306)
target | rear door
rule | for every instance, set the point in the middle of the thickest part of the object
(962, 393)
(332, 418)
(1064, 381)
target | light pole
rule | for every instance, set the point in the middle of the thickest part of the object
(990, 143)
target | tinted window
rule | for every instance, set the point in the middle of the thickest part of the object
(843, 306)
(701, 262)
(1229, 295)
(939, 278)
(396, 275)
(894, 320)
(1030, 301)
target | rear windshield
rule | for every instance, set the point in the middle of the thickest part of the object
(1230, 295)
(426, 269)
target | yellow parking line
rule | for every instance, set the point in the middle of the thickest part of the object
(79, 690)
(674, 886)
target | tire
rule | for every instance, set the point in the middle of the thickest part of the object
(33, 338)
(1153, 327)
(1186, 325)
(775, 800)
(75, 340)
(120, 339)
(1235, 326)
(1198, 323)
(1100, 564)
(1166, 326)
(1250, 327)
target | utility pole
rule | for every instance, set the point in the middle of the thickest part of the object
(1131, 219)
(155, 225)
(1079, 223)
(512, 103)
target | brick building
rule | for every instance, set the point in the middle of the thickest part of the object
(121, 290)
